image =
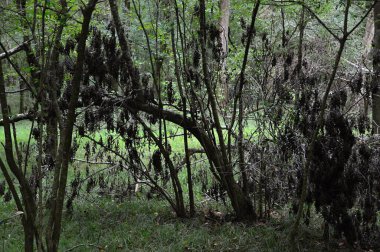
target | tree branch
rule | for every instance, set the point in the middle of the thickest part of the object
(14, 50)
(18, 117)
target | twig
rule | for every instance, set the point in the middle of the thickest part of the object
(83, 245)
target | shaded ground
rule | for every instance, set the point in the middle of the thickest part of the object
(140, 225)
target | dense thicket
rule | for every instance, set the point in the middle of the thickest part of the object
(260, 105)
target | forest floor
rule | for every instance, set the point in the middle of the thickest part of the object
(140, 225)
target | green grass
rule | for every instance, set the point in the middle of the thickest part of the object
(141, 225)
(22, 131)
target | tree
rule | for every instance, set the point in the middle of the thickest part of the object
(30, 205)
(376, 69)
(342, 39)
(224, 35)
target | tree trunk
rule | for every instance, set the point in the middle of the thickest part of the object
(242, 165)
(243, 205)
(185, 135)
(224, 33)
(188, 165)
(61, 169)
(240, 203)
(22, 98)
(367, 42)
(319, 125)
(376, 70)
(25, 189)
(28, 237)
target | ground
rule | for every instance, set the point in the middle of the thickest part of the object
(140, 225)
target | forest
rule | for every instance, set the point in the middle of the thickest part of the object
(189, 125)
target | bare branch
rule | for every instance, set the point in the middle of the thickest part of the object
(7, 56)
(16, 91)
(14, 50)
(18, 117)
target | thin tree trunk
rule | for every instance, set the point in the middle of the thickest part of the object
(224, 33)
(59, 186)
(310, 151)
(188, 165)
(125, 48)
(242, 165)
(376, 70)
(26, 192)
(319, 125)
(180, 206)
(22, 98)
(185, 136)
(261, 197)
(224, 163)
